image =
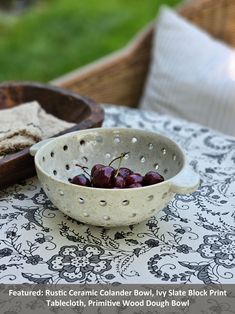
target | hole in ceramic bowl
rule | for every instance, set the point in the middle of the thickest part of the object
(84, 159)
(117, 140)
(81, 200)
(163, 151)
(156, 166)
(103, 203)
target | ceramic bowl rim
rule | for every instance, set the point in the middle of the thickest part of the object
(131, 130)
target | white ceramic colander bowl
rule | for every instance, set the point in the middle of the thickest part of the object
(56, 161)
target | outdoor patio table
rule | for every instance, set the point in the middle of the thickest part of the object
(192, 240)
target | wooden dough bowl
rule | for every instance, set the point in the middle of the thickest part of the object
(61, 103)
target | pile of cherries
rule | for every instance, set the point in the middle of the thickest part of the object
(107, 177)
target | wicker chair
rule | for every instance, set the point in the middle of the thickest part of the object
(119, 78)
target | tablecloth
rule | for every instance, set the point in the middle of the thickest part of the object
(192, 240)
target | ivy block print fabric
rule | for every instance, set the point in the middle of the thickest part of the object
(192, 240)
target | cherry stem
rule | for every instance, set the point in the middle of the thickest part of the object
(120, 158)
(119, 165)
(84, 168)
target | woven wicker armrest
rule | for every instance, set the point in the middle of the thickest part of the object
(119, 78)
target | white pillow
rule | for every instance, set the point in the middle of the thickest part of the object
(192, 75)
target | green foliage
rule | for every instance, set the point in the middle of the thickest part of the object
(58, 36)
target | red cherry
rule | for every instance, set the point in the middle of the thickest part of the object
(133, 179)
(124, 172)
(118, 182)
(136, 185)
(152, 177)
(95, 167)
(102, 177)
(81, 179)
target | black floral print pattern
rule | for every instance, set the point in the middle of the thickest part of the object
(220, 249)
(75, 265)
(192, 240)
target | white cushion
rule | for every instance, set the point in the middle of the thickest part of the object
(192, 75)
